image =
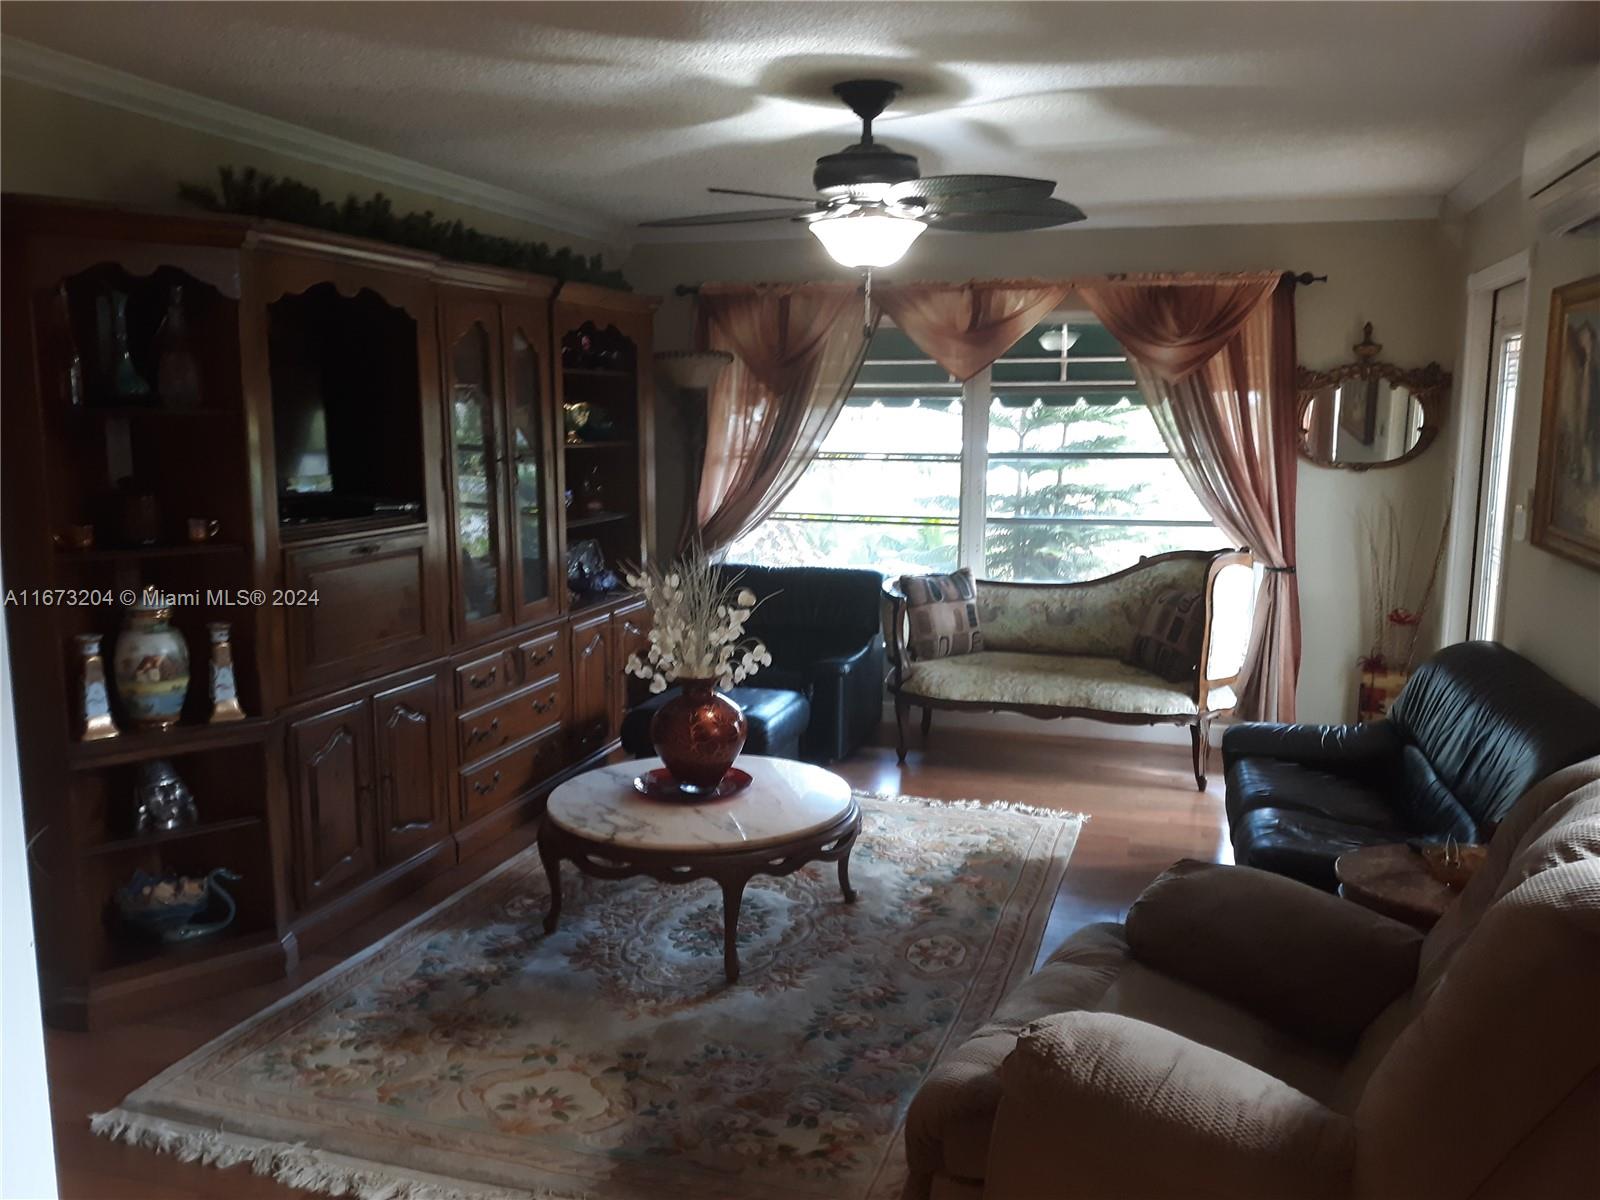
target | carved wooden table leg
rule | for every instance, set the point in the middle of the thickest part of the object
(550, 856)
(732, 898)
(844, 879)
(731, 866)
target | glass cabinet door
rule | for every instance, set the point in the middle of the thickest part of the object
(528, 482)
(474, 451)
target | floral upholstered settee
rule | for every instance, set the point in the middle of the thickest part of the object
(1060, 649)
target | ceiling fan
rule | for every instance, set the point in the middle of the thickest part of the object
(875, 202)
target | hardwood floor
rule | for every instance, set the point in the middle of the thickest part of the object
(1144, 814)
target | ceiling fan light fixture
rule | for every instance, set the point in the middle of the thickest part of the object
(866, 237)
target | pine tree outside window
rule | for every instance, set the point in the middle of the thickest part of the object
(1046, 467)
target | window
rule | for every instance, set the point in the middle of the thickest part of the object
(885, 490)
(1047, 466)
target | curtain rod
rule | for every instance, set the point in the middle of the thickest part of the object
(1302, 278)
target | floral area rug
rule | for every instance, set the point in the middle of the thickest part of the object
(469, 1055)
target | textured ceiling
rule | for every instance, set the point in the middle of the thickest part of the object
(627, 111)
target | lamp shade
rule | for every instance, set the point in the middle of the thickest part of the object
(1056, 340)
(691, 370)
(866, 238)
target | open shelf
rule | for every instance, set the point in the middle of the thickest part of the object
(598, 372)
(132, 961)
(98, 554)
(145, 840)
(136, 746)
(604, 518)
(149, 412)
(607, 444)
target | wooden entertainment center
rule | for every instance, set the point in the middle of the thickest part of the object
(377, 445)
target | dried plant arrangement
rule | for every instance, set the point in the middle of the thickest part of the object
(1391, 570)
(699, 624)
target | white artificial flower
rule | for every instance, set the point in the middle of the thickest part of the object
(658, 684)
(746, 598)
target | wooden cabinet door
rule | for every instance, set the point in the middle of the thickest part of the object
(413, 769)
(631, 632)
(474, 391)
(593, 693)
(363, 608)
(331, 799)
(530, 462)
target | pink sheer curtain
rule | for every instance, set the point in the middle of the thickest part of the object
(1215, 359)
(797, 348)
(966, 326)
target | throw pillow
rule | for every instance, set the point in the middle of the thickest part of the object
(1168, 642)
(943, 614)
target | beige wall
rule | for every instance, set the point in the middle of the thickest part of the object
(54, 144)
(1399, 275)
(1552, 605)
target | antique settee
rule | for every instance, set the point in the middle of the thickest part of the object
(1060, 649)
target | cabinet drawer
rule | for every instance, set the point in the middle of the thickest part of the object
(501, 779)
(371, 610)
(505, 721)
(482, 679)
(543, 655)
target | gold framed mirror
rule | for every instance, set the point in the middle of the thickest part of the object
(1369, 413)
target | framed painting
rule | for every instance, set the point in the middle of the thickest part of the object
(1566, 498)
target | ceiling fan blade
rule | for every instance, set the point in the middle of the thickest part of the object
(731, 218)
(1037, 213)
(762, 195)
(937, 186)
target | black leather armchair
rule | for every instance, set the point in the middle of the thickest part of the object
(822, 626)
(1472, 730)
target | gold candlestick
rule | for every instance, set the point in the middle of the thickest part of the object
(94, 701)
(224, 686)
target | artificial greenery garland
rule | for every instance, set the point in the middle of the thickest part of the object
(250, 193)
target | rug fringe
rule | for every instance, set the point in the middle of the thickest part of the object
(1030, 810)
(292, 1163)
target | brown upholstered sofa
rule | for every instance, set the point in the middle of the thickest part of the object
(1055, 650)
(1247, 1036)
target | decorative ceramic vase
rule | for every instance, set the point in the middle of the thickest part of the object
(1379, 686)
(224, 685)
(94, 702)
(698, 734)
(163, 800)
(177, 369)
(151, 668)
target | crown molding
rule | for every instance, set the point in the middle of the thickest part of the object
(1127, 216)
(87, 80)
(1502, 167)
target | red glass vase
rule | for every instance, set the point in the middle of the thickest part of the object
(698, 734)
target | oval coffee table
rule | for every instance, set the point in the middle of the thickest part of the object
(791, 814)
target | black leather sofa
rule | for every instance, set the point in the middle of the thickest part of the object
(1469, 733)
(823, 629)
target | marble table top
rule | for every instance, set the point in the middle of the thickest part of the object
(785, 800)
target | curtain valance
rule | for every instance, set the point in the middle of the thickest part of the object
(1213, 354)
